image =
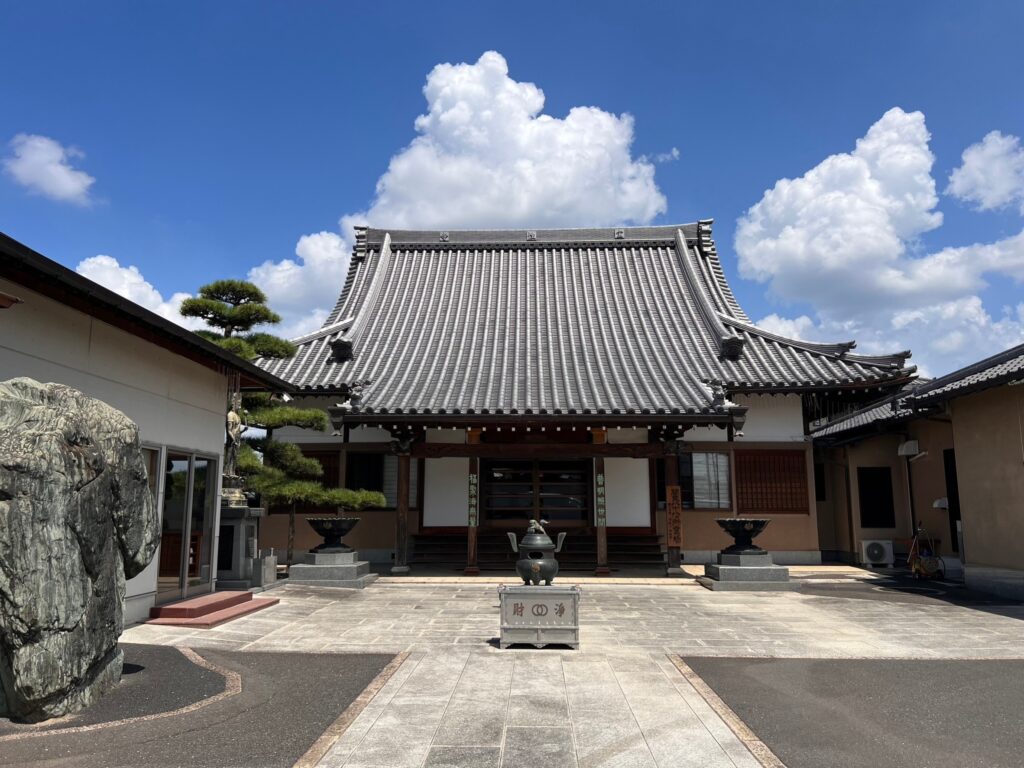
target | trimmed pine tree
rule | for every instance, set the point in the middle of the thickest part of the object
(274, 469)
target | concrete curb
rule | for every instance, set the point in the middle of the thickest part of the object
(757, 748)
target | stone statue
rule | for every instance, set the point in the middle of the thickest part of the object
(235, 428)
(76, 518)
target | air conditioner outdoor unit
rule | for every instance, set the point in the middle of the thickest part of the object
(876, 552)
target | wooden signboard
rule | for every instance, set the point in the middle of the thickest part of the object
(674, 515)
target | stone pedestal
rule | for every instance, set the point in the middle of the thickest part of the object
(540, 615)
(332, 569)
(238, 564)
(745, 571)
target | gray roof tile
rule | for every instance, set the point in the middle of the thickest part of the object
(585, 320)
(1004, 368)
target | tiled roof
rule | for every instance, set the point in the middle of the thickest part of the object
(1004, 368)
(632, 320)
(889, 410)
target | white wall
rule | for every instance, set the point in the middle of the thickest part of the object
(174, 401)
(631, 435)
(446, 492)
(627, 491)
(770, 418)
(446, 436)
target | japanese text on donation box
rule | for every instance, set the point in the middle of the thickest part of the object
(530, 611)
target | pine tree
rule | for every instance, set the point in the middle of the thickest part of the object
(283, 476)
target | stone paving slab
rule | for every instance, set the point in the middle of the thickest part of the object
(620, 701)
(612, 718)
(618, 619)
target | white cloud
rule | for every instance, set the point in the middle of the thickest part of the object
(485, 156)
(991, 174)
(303, 291)
(129, 283)
(43, 166)
(843, 238)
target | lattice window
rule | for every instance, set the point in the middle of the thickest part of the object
(771, 481)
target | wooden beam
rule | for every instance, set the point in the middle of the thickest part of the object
(401, 566)
(601, 518)
(541, 450)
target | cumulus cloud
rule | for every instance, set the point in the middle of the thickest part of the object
(303, 290)
(43, 166)
(844, 239)
(991, 174)
(486, 156)
(129, 283)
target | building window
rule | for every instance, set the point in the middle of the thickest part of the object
(771, 482)
(377, 472)
(704, 480)
(876, 506)
(364, 471)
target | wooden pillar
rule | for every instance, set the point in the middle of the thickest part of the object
(600, 507)
(673, 517)
(401, 566)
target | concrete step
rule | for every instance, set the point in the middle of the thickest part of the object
(212, 619)
(198, 606)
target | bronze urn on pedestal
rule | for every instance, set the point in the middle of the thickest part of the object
(537, 551)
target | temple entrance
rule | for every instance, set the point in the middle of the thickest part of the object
(515, 491)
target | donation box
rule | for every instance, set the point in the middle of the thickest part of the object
(540, 615)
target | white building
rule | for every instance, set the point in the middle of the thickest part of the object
(57, 326)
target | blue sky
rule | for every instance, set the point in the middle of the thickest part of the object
(219, 134)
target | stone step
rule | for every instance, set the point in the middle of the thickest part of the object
(212, 619)
(307, 572)
(360, 582)
(199, 606)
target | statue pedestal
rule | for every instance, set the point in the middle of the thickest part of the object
(745, 571)
(239, 565)
(540, 615)
(332, 569)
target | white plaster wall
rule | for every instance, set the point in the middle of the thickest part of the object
(627, 491)
(446, 492)
(631, 435)
(446, 435)
(775, 418)
(174, 401)
(368, 435)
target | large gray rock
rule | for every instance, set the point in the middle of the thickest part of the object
(76, 518)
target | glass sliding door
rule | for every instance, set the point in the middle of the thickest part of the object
(518, 490)
(172, 535)
(186, 537)
(203, 500)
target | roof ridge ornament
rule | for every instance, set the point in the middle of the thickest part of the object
(342, 350)
(718, 393)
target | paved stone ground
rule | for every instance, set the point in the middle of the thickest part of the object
(459, 701)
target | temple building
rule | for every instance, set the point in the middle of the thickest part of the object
(604, 380)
